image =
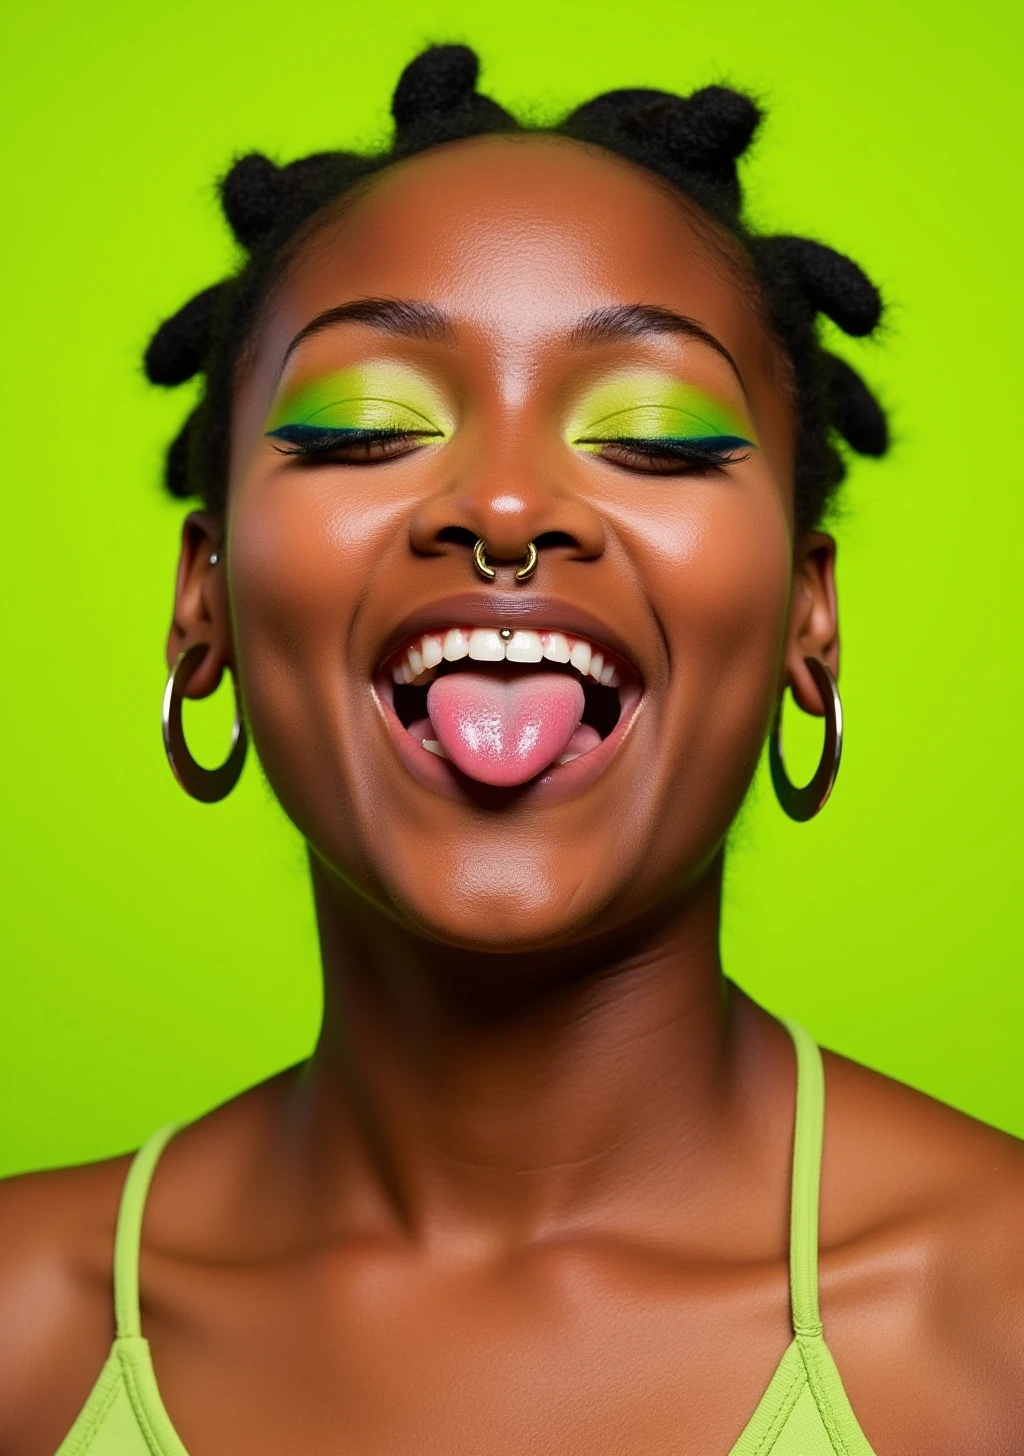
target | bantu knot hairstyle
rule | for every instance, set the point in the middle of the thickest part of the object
(831, 284)
(692, 142)
(436, 100)
(253, 196)
(179, 347)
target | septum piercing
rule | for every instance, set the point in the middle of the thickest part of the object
(530, 558)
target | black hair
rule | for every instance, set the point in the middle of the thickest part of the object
(692, 143)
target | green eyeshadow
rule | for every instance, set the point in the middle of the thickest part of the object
(366, 398)
(651, 407)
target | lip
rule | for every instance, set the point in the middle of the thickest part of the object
(553, 784)
(507, 609)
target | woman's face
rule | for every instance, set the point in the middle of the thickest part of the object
(555, 354)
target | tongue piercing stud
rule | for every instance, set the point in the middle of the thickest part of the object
(487, 571)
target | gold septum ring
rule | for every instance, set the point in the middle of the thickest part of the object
(487, 571)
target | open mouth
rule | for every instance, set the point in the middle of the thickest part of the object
(504, 705)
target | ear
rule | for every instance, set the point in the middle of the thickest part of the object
(813, 629)
(201, 612)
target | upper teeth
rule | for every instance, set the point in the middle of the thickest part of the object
(418, 661)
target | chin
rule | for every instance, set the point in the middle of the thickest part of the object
(490, 899)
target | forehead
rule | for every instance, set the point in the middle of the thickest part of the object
(517, 237)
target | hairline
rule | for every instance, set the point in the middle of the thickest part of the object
(723, 250)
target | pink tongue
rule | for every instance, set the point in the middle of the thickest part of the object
(504, 729)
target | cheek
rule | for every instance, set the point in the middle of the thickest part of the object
(716, 558)
(730, 587)
(301, 549)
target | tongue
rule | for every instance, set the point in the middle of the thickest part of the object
(502, 729)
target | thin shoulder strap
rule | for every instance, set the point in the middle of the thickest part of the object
(128, 1237)
(807, 1140)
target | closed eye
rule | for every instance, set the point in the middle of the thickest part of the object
(669, 455)
(348, 446)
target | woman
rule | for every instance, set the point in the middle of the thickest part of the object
(512, 451)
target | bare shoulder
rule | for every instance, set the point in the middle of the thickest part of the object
(916, 1158)
(56, 1264)
(923, 1224)
(56, 1299)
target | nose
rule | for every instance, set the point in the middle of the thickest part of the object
(508, 517)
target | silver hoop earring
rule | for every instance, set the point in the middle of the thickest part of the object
(205, 784)
(803, 804)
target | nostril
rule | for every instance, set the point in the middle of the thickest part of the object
(503, 551)
(457, 536)
(555, 538)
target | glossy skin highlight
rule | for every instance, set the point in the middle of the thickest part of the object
(530, 1194)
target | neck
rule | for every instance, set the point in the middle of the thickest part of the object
(502, 1095)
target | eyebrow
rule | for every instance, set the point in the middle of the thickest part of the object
(397, 316)
(638, 320)
(405, 318)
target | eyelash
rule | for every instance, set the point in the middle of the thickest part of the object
(311, 443)
(646, 456)
(671, 456)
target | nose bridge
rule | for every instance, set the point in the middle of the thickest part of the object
(509, 487)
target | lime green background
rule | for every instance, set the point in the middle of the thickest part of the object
(158, 955)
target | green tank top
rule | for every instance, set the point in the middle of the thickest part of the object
(803, 1412)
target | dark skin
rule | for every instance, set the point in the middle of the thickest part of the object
(531, 1192)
